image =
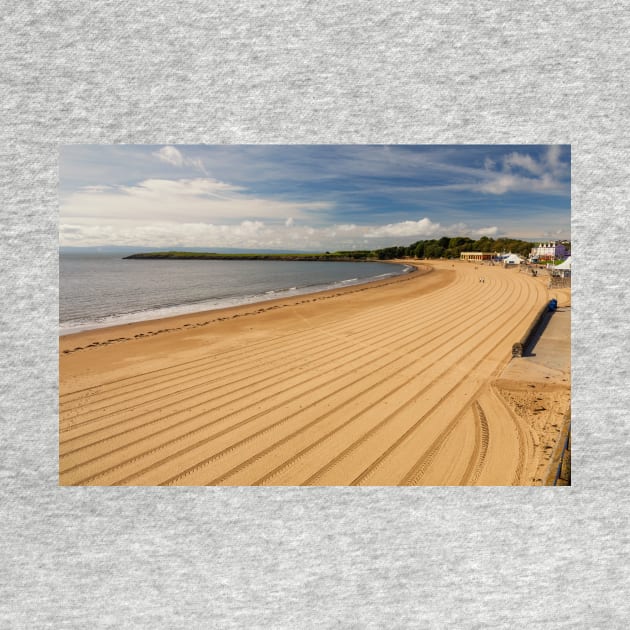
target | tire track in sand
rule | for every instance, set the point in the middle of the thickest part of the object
(241, 377)
(417, 470)
(179, 438)
(369, 471)
(267, 478)
(400, 335)
(165, 375)
(208, 460)
(124, 381)
(482, 440)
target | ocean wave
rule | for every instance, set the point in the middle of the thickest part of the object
(276, 291)
(384, 275)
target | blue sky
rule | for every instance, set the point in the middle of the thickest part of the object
(310, 197)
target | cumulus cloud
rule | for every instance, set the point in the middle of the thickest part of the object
(487, 231)
(423, 227)
(259, 234)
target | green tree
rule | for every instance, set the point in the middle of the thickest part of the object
(433, 251)
(456, 242)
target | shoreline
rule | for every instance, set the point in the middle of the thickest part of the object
(397, 382)
(193, 308)
(176, 322)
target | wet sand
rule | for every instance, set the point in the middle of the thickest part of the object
(391, 383)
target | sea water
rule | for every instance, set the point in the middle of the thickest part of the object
(98, 290)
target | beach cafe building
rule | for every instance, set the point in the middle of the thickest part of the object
(477, 256)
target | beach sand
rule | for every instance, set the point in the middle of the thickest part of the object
(405, 381)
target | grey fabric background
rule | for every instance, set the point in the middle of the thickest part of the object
(307, 72)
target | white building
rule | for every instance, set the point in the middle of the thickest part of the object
(548, 251)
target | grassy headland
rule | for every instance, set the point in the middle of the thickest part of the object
(356, 256)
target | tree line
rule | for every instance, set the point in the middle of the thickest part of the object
(452, 247)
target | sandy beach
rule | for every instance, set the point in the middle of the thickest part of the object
(407, 381)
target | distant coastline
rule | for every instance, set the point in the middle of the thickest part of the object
(360, 256)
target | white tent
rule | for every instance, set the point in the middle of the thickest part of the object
(565, 265)
(563, 269)
(512, 259)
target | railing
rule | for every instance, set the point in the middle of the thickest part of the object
(559, 469)
(557, 282)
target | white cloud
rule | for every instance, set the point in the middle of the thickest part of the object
(427, 229)
(507, 182)
(498, 185)
(260, 234)
(173, 156)
(201, 200)
(165, 188)
(198, 164)
(520, 172)
(96, 189)
(525, 162)
(487, 231)
(170, 155)
(553, 159)
(199, 212)
(538, 180)
(423, 227)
